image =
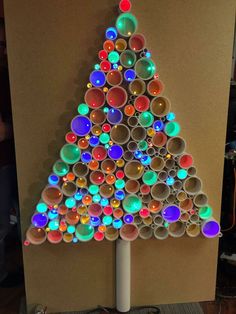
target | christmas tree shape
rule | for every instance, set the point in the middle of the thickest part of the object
(123, 171)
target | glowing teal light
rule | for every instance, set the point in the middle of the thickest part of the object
(172, 128)
(71, 229)
(93, 189)
(104, 202)
(97, 66)
(107, 220)
(142, 145)
(52, 214)
(41, 207)
(205, 212)
(60, 168)
(83, 109)
(104, 138)
(96, 198)
(170, 181)
(120, 184)
(132, 204)
(182, 174)
(113, 57)
(146, 119)
(84, 232)
(53, 224)
(70, 202)
(117, 223)
(78, 196)
(105, 109)
(150, 177)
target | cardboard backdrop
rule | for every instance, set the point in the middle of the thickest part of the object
(52, 47)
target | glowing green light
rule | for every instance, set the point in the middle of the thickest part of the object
(70, 153)
(205, 212)
(84, 232)
(120, 184)
(107, 220)
(142, 145)
(172, 128)
(145, 68)
(126, 24)
(132, 204)
(182, 174)
(93, 189)
(113, 57)
(146, 119)
(41, 207)
(70, 202)
(104, 138)
(60, 168)
(107, 146)
(96, 198)
(83, 109)
(105, 109)
(150, 177)
(97, 66)
(166, 225)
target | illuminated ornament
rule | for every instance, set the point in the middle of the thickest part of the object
(205, 212)
(104, 138)
(120, 163)
(149, 177)
(70, 153)
(96, 130)
(115, 66)
(182, 174)
(126, 24)
(141, 103)
(93, 189)
(125, 5)
(148, 54)
(114, 116)
(110, 179)
(93, 141)
(108, 210)
(146, 160)
(89, 85)
(53, 179)
(132, 204)
(102, 54)
(115, 203)
(120, 68)
(170, 181)
(83, 143)
(151, 132)
(105, 89)
(39, 220)
(104, 201)
(118, 213)
(113, 56)
(145, 68)
(71, 229)
(111, 33)
(97, 78)
(108, 46)
(115, 152)
(70, 202)
(119, 195)
(96, 66)
(144, 213)
(158, 125)
(129, 110)
(105, 66)
(138, 154)
(145, 189)
(107, 220)
(146, 119)
(78, 196)
(99, 153)
(186, 161)
(128, 218)
(143, 145)
(95, 221)
(60, 168)
(96, 198)
(81, 125)
(41, 208)
(211, 229)
(102, 228)
(98, 236)
(171, 213)
(120, 174)
(172, 128)
(53, 224)
(129, 75)
(93, 165)
(120, 184)
(71, 138)
(70, 176)
(128, 58)
(86, 157)
(52, 214)
(84, 232)
(170, 116)
(117, 223)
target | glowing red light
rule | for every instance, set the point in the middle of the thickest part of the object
(102, 54)
(125, 5)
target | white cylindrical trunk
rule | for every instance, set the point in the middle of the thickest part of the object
(123, 278)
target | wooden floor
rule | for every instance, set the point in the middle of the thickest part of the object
(10, 298)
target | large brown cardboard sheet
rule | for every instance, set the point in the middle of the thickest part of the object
(52, 47)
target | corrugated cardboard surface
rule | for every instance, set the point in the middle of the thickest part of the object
(52, 46)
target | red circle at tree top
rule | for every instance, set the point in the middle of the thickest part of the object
(125, 5)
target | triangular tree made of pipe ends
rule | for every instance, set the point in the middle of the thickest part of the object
(123, 171)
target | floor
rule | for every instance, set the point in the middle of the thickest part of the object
(10, 299)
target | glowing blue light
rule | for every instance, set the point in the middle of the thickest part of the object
(115, 152)
(53, 224)
(170, 116)
(96, 198)
(148, 54)
(128, 218)
(70, 202)
(158, 125)
(41, 207)
(71, 229)
(78, 196)
(117, 223)
(97, 66)
(52, 214)
(119, 195)
(86, 157)
(115, 66)
(39, 220)
(129, 75)
(104, 202)
(81, 125)
(107, 220)
(170, 181)
(146, 160)
(53, 179)
(95, 221)
(114, 116)
(75, 240)
(97, 78)
(138, 154)
(93, 141)
(111, 33)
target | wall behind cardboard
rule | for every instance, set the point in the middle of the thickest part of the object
(52, 46)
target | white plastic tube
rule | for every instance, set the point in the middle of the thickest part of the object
(123, 277)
